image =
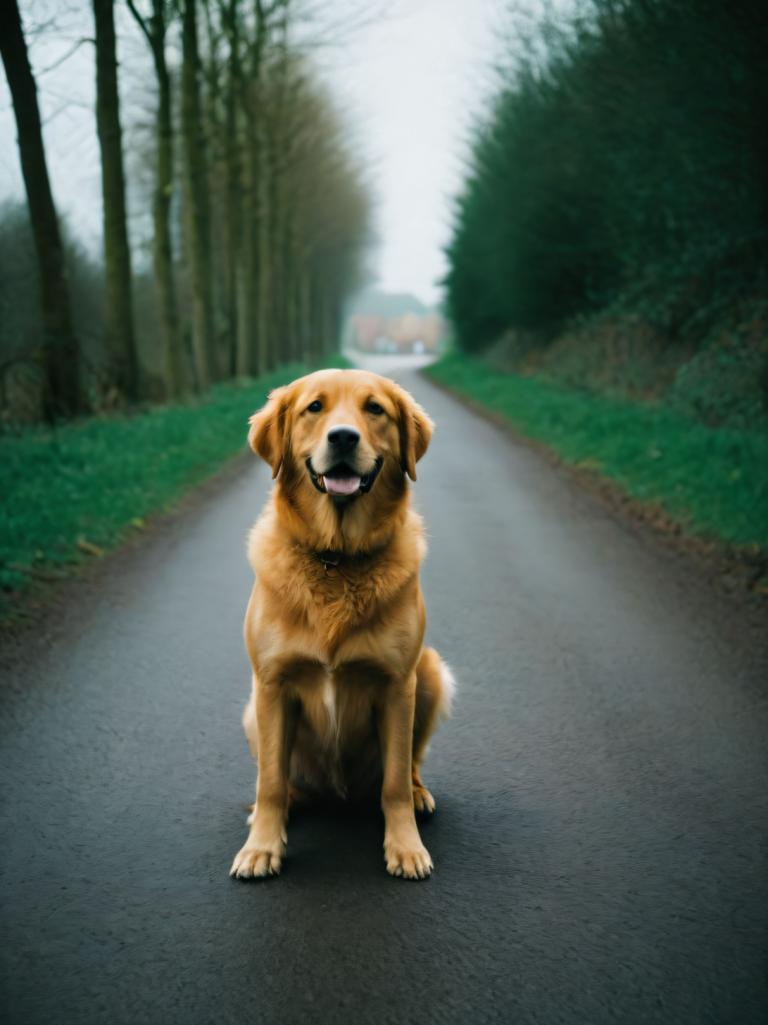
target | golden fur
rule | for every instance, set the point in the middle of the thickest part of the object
(344, 695)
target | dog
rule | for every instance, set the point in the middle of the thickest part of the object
(345, 696)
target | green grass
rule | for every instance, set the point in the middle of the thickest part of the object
(98, 479)
(712, 481)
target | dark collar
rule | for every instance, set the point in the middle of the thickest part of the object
(331, 559)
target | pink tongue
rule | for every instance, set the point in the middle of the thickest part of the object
(341, 485)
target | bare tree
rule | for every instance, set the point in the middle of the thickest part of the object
(267, 120)
(154, 27)
(197, 215)
(222, 133)
(229, 15)
(323, 218)
(249, 342)
(122, 361)
(58, 355)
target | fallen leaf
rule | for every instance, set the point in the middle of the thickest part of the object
(89, 547)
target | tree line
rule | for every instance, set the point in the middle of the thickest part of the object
(624, 164)
(260, 211)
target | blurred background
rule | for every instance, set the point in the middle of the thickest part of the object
(227, 182)
(580, 187)
(568, 196)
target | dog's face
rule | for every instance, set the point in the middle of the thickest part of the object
(340, 431)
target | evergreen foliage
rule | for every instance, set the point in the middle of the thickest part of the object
(624, 163)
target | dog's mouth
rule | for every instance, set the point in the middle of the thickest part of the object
(341, 481)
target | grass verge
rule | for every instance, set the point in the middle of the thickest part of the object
(74, 491)
(712, 482)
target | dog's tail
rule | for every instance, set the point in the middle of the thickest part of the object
(449, 689)
(437, 674)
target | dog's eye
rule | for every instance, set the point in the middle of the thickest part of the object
(315, 407)
(374, 407)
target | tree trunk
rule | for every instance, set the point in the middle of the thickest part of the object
(306, 311)
(197, 215)
(251, 254)
(291, 299)
(58, 356)
(233, 204)
(243, 340)
(122, 362)
(264, 268)
(292, 285)
(254, 254)
(213, 78)
(250, 251)
(162, 247)
(232, 230)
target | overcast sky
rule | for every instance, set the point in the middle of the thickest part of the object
(414, 81)
(410, 81)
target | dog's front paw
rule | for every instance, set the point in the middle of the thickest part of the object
(256, 860)
(408, 861)
(423, 801)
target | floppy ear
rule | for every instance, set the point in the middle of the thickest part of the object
(267, 436)
(415, 431)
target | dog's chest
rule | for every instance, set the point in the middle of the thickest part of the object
(337, 703)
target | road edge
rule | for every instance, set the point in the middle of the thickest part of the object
(41, 604)
(732, 571)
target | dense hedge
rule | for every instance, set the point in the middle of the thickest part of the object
(626, 157)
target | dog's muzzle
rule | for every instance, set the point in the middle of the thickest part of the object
(341, 481)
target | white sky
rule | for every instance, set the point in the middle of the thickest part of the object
(410, 81)
(413, 82)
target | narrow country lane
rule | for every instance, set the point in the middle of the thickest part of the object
(601, 834)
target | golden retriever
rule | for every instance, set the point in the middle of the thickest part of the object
(345, 696)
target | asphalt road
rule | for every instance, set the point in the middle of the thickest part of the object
(601, 834)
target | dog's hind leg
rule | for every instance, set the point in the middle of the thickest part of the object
(435, 687)
(249, 724)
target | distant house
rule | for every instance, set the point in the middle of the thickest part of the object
(408, 332)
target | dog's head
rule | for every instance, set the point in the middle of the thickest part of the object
(344, 434)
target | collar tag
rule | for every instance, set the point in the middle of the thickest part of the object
(329, 559)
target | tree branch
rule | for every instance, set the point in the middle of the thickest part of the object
(72, 50)
(141, 22)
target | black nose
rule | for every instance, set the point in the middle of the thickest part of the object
(343, 439)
